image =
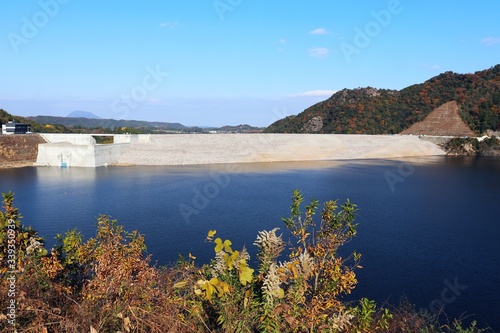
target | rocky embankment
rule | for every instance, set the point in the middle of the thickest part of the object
(473, 147)
(192, 149)
(19, 150)
(443, 121)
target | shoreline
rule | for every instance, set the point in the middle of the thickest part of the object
(297, 164)
(16, 165)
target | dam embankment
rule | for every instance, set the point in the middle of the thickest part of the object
(187, 149)
(81, 150)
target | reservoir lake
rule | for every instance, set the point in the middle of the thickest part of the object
(429, 228)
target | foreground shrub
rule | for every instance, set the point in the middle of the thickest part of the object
(103, 285)
(301, 294)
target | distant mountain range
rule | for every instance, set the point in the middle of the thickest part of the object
(85, 122)
(83, 114)
(381, 111)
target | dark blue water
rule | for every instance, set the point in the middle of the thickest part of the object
(429, 229)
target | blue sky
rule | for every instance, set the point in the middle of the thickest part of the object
(218, 62)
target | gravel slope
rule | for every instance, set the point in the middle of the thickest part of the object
(186, 149)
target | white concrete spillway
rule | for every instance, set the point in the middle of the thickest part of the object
(186, 149)
(81, 150)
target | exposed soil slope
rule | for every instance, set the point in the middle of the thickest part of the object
(443, 121)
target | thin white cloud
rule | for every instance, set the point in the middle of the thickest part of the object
(315, 93)
(318, 52)
(432, 67)
(490, 41)
(170, 25)
(282, 41)
(319, 31)
(156, 101)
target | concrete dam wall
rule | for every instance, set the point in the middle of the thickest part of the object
(65, 154)
(70, 150)
(81, 150)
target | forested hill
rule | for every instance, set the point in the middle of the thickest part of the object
(89, 123)
(381, 111)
